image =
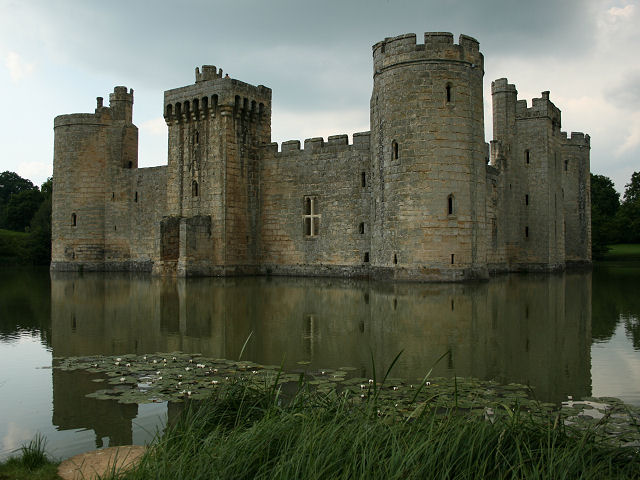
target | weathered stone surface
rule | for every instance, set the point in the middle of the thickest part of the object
(420, 196)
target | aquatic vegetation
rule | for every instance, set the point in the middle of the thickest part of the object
(248, 431)
(178, 376)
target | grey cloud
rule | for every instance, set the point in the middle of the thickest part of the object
(626, 92)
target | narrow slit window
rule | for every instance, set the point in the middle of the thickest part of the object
(194, 188)
(448, 91)
(394, 150)
(566, 165)
(135, 197)
(452, 259)
(311, 217)
(366, 257)
(526, 232)
(363, 179)
(361, 228)
(450, 205)
(526, 199)
(527, 156)
(395, 258)
(74, 220)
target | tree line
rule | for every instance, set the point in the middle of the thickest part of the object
(25, 220)
(614, 220)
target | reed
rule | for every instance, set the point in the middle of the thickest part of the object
(255, 433)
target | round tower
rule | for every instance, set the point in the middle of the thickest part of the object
(80, 162)
(428, 158)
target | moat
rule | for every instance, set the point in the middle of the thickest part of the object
(573, 334)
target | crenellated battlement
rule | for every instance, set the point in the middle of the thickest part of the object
(540, 108)
(212, 95)
(577, 139)
(209, 72)
(502, 85)
(334, 144)
(437, 47)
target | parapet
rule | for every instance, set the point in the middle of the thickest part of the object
(334, 144)
(437, 46)
(502, 85)
(541, 107)
(577, 139)
(120, 94)
(209, 72)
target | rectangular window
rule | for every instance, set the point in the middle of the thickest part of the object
(311, 217)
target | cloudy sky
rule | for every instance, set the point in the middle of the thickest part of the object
(57, 56)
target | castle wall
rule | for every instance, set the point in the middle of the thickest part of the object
(576, 184)
(315, 207)
(530, 159)
(428, 159)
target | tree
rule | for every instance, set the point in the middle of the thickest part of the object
(40, 235)
(605, 203)
(21, 208)
(11, 184)
(628, 216)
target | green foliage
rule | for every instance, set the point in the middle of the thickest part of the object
(613, 222)
(14, 249)
(33, 463)
(605, 202)
(628, 216)
(25, 208)
(21, 209)
(252, 433)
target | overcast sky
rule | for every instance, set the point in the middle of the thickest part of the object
(57, 56)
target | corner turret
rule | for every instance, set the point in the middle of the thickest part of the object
(121, 104)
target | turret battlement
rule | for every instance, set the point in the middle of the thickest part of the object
(502, 85)
(334, 144)
(209, 72)
(437, 46)
(577, 139)
(121, 104)
(540, 107)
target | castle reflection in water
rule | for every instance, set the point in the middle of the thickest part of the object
(532, 329)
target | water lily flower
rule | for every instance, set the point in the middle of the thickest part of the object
(122, 379)
(371, 380)
(187, 369)
(128, 365)
(118, 359)
(363, 386)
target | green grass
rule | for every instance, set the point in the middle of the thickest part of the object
(254, 433)
(33, 463)
(623, 251)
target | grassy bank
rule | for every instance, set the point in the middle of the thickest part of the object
(248, 432)
(31, 463)
(623, 252)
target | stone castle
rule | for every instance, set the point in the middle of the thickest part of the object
(420, 196)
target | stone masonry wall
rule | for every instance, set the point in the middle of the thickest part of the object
(334, 177)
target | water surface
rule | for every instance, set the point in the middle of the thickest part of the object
(567, 334)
